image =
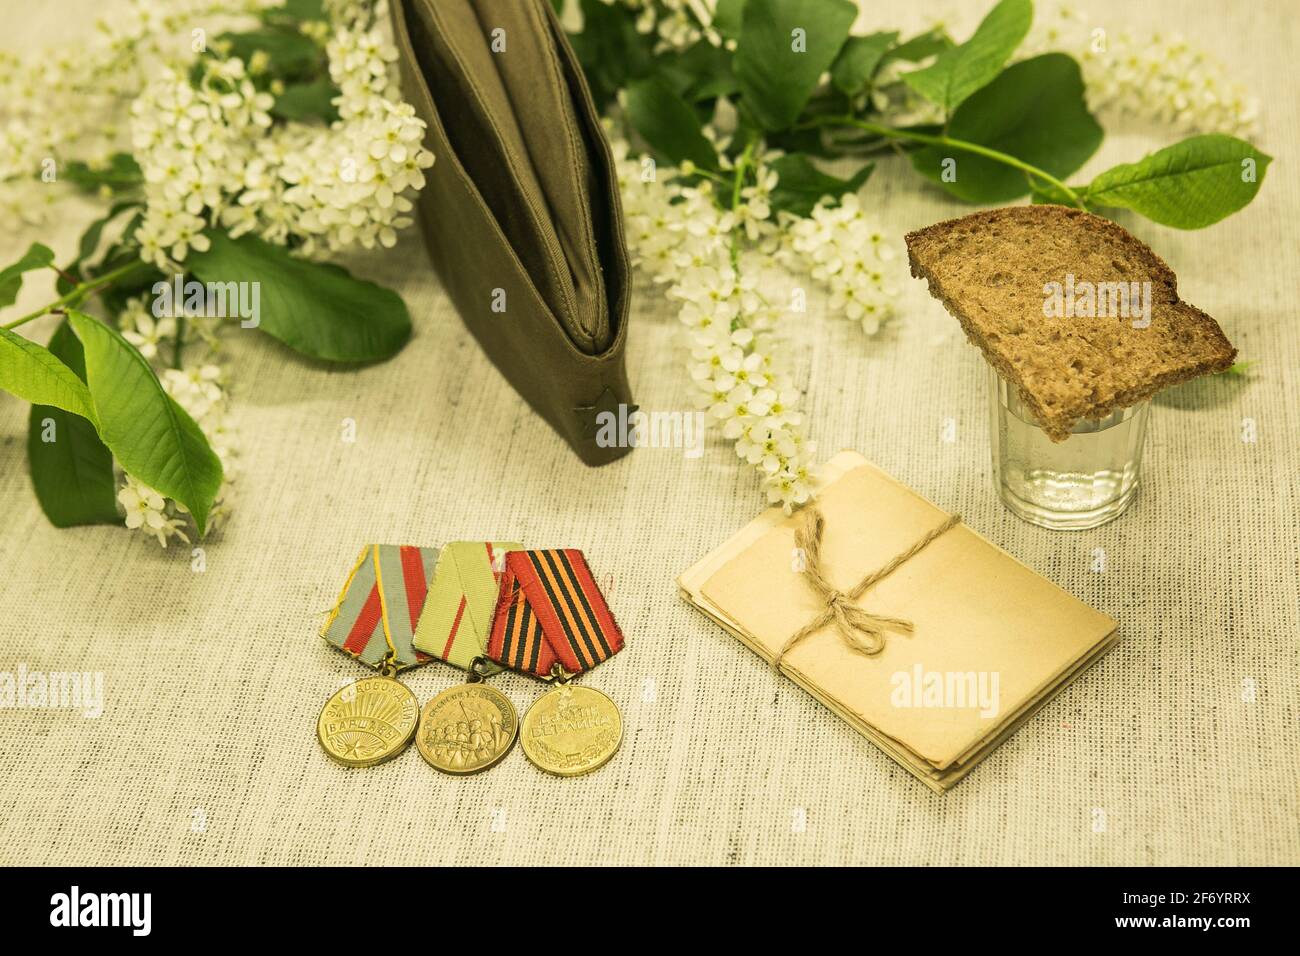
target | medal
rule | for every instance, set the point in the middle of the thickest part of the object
(374, 719)
(571, 730)
(469, 728)
(552, 622)
(369, 721)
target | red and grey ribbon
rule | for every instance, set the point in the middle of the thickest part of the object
(375, 617)
(551, 611)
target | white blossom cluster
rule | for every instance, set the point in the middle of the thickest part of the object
(193, 146)
(198, 387)
(841, 246)
(1156, 76)
(72, 100)
(212, 156)
(679, 24)
(683, 239)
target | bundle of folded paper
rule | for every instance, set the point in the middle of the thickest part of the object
(929, 640)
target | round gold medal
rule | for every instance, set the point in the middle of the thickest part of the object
(368, 722)
(467, 729)
(571, 730)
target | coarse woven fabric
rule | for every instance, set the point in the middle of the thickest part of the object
(1182, 746)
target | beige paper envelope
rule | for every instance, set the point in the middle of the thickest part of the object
(976, 611)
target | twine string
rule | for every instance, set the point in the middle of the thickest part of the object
(860, 629)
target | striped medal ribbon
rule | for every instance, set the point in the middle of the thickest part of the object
(374, 621)
(552, 622)
(403, 606)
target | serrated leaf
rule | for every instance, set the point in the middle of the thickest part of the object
(856, 65)
(800, 184)
(959, 72)
(1189, 185)
(668, 123)
(32, 373)
(1035, 111)
(72, 474)
(155, 439)
(315, 308)
(784, 48)
(37, 256)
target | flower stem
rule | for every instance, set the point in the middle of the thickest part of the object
(178, 342)
(80, 292)
(891, 132)
(742, 169)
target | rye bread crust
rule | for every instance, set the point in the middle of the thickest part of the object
(989, 270)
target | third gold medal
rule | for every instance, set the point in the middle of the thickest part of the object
(552, 622)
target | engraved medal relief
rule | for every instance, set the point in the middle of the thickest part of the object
(368, 722)
(571, 731)
(467, 729)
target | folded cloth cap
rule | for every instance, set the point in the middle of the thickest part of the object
(521, 212)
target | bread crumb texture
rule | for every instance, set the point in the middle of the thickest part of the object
(993, 271)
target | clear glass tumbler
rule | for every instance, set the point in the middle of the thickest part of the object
(1082, 482)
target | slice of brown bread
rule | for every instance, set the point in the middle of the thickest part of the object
(992, 271)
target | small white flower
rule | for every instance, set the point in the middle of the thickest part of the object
(146, 510)
(144, 331)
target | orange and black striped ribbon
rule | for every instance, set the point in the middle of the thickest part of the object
(550, 610)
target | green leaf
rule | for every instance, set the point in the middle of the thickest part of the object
(668, 123)
(919, 47)
(800, 184)
(73, 473)
(728, 17)
(303, 101)
(315, 308)
(121, 174)
(959, 72)
(89, 243)
(32, 373)
(784, 48)
(37, 256)
(154, 438)
(1239, 369)
(1042, 193)
(299, 10)
(701, 72)
(611, 49)
(1189, 185)
(856, 65)
(292, 54)
(1035, 111)
(140, 281)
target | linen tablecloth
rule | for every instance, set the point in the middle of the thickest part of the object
(1182, 746)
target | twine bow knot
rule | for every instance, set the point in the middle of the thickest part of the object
(863, 631)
